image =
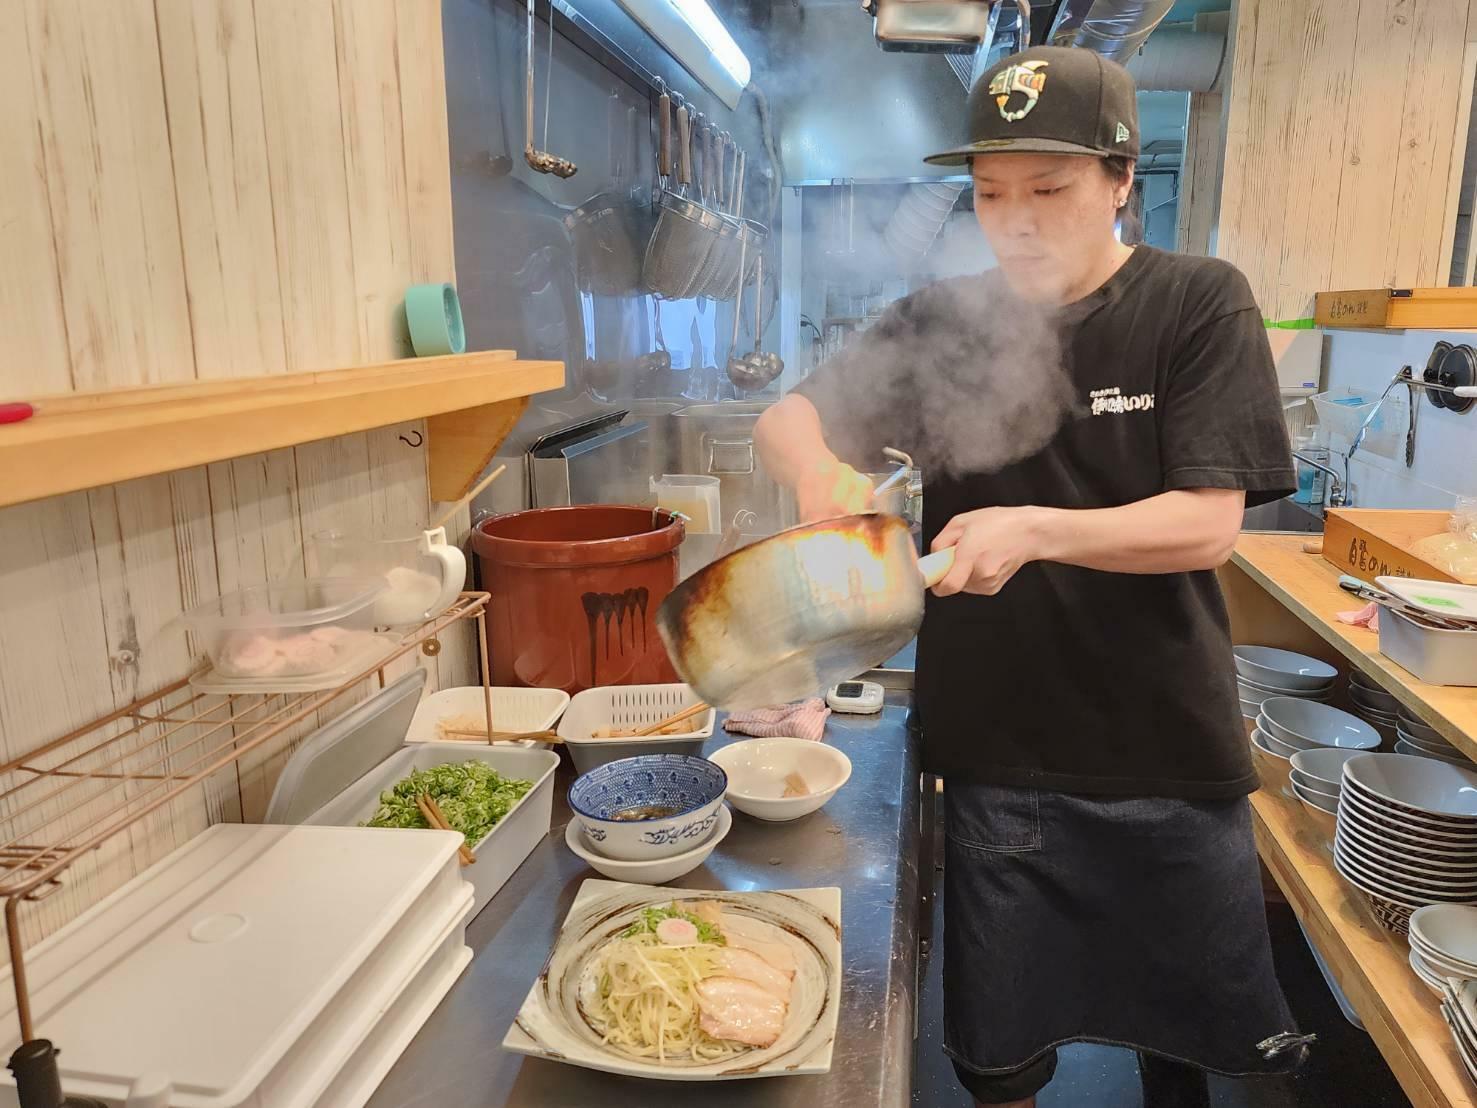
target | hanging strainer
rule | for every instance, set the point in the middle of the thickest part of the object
(685, 232)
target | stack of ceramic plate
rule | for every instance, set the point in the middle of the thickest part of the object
(1263, 672)
(1285, 726)
(1373, 704)
(1407, 834)
(1459, 1007)
(1424, 741)
(1443, 943)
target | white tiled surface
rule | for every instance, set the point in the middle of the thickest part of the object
(1446, 443)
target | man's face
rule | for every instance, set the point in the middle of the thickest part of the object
(1048, 218)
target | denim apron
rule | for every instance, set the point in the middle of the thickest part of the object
(1136, 922)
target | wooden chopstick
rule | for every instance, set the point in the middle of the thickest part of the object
(687, 713)
(437, 819)
(459, 735)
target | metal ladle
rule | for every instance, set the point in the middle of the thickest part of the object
(541, 160)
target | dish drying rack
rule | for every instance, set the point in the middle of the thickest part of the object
(130, 763)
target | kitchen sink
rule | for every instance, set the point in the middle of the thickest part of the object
(1283, 515)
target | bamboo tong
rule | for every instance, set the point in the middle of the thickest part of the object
(437, 819)
(660, 725)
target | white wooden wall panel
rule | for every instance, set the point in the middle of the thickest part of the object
(202, 189)
(1342, 118)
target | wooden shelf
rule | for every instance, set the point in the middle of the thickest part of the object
(1371, 965)
(81, 441)
(1307, 586)
(1447, 309)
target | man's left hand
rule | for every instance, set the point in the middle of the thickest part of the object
(990, 546)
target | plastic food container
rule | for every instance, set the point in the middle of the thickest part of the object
(304, 628)
(313, 933)
(1435, 655)
(628, 706)
(503, 849)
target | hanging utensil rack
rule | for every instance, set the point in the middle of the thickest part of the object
(127, 765)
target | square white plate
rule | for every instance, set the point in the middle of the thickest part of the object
(551, 1024)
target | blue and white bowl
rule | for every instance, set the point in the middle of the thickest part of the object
(687, 790)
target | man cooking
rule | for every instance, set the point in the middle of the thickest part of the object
(1075, 680)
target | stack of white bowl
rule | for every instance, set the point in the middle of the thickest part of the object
(1373, 704)
(1443, 943)
(1459, 1007)
(1286, 725)
(1407, 834)
(1263, 672)
(1316, 778)
(1422, 740)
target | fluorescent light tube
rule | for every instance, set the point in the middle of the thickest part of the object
(693, 34)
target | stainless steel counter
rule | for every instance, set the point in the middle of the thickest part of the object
(865, 841)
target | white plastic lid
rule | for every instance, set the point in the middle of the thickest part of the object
(209, 965)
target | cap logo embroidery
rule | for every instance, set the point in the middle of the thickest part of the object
(1121, 135)
(1025, 78)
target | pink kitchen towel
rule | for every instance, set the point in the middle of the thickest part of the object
(803, 720)
(1367, 616)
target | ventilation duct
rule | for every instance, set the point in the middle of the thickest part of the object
(1176, 60)
(920, 216)
(1113, 28)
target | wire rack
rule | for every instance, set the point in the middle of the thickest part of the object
(70, 796)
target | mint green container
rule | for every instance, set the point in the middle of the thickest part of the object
(434, 315)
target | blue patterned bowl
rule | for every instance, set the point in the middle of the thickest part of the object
(648, 807)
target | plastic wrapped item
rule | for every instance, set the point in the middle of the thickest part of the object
(1455, 549)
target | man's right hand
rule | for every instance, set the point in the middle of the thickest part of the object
(832, 489)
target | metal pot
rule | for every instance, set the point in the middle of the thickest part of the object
(718, 440)
(790, 615)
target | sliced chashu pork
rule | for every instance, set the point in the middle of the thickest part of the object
(738, 962)
(752, 936)
(740, 1010)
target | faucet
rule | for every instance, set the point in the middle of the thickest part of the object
(1337, 495)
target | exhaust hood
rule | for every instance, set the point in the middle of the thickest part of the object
(937, 26)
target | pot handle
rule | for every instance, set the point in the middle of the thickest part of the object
(935, 567)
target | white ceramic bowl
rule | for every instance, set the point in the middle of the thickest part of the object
(1282, 669)
(1425, 742)
(1251, 690)
(1422, 785)
(653, 872)
(1306, 723)
(1442, 886)
(1419, 728)
(1403, 747)
(1324, 765)
(1302, 783)
(1274, 745)
(1367, 687)
(1449, 930)
(1250, 709)
(1384, 854)
(1324, 803)
(1381, 822)
(1411, 844)
(757, 769)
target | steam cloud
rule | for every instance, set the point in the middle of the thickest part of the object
(969, 380)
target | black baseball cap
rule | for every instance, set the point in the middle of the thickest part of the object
(1050, 100)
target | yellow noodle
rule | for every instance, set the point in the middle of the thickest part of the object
(646, 1003)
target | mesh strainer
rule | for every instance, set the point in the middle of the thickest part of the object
(685, 232)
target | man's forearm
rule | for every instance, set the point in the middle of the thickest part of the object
(1173, 532)
(791, 441)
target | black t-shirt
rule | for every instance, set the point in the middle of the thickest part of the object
(1073, 679)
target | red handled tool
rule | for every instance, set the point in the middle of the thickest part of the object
(16, 413)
